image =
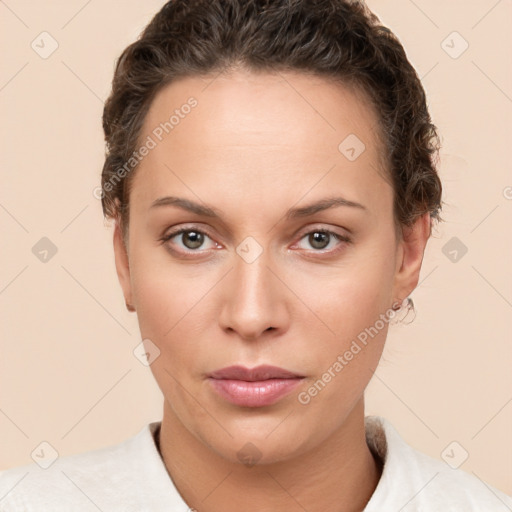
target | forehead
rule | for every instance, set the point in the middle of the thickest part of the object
(243, 104)
(253, 131)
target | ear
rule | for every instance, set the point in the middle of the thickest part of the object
(410, 250)
(122, 263)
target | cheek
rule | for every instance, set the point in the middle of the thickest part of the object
(167, 312)
(354, 295)
(161, 289)
(172, 306)
(156, 300)
(167, 309)
(344, 362)
(353, 303)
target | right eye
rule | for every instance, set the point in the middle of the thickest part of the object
(191, 239)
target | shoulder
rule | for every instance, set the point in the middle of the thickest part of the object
(100, 478)
(412, 480)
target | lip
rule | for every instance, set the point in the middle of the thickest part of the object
(258, 373)
(253, 387)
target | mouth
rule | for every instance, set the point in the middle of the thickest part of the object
(255, 387)
(259, 373)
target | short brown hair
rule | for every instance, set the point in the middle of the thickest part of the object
(337, 39)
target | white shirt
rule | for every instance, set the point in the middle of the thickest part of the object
(131, 477)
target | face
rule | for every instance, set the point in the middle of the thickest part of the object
(260, 276)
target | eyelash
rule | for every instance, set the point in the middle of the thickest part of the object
(341, 238)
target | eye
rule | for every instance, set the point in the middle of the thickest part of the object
(324, 240)
(190, 239)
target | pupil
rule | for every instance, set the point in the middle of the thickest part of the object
(318, 238)
(194, 238)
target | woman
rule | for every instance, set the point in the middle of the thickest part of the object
(271, 172)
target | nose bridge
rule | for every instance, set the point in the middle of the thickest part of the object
(252, 278)
(255, 300)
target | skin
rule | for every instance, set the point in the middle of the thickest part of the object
(254, 147)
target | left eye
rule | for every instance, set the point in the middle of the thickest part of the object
(320, 239)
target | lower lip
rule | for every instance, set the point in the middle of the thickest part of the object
(254, 394)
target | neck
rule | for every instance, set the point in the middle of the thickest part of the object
(339, 475)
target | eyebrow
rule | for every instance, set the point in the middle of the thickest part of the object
(292, 213)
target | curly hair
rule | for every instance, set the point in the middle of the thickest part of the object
(336, 39)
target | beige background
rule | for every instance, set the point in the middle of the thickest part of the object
(67, 372)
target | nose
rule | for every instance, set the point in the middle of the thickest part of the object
(254, 300)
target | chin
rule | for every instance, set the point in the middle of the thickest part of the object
(262, 442)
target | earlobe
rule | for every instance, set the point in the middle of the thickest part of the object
(410, 252)
(122, 265)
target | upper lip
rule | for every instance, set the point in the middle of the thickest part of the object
(263, 372)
